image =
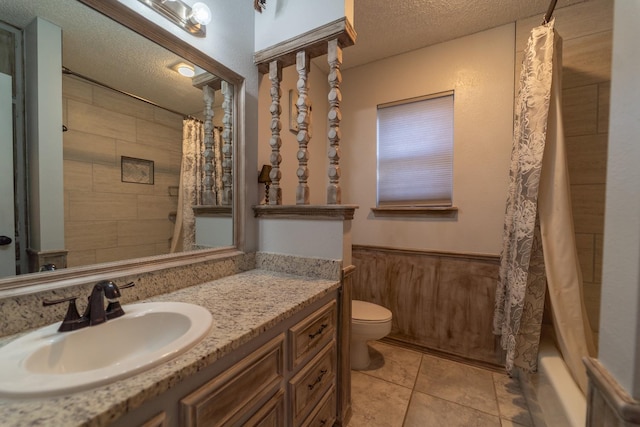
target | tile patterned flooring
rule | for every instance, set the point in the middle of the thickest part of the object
(405, 388)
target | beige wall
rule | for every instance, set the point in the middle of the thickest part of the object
(106, 219)
(586, 31)
(480, 70)
(483, 132)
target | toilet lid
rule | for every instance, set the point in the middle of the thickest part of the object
(362, 310)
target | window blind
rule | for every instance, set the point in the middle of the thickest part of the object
(415, 152)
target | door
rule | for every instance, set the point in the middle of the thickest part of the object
(7, 205)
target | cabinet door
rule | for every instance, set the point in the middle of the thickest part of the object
(239, 392)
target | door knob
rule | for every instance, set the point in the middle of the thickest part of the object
(5, 240)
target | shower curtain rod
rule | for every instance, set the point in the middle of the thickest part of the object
(547, 16)
(65, 70)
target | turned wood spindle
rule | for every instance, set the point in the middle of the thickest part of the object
(208, 195)
(303, 63)
(334, 193)
(275, 75)
(227, 143)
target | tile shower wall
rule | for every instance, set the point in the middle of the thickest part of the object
(586, 30)
(106, 219)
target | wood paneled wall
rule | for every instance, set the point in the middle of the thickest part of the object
(439, 301)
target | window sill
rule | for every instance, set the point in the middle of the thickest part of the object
(422, 211)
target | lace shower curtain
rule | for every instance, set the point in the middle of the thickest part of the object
(184, 232)
(539, 250)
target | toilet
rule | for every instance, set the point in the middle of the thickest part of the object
(368, 322)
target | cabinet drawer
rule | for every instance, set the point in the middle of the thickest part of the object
(238, 392)
(311, 333)
(310, 384)
(159, 420)
(325, 414)
(271, 414)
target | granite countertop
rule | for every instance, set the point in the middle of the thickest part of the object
(242, 305)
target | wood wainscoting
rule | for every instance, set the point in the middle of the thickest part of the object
(441, 302)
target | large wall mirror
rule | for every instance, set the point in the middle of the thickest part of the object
(128, 119)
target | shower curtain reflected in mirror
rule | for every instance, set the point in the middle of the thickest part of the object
(539, 251)
(192, 177)
(184, 232)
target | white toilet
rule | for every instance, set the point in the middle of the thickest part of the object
(368, 322)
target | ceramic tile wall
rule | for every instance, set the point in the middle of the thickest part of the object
(106, 219)
(586, 30)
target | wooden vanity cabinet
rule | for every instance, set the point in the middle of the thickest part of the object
(286, 376)
(239, 392)
(237, 396)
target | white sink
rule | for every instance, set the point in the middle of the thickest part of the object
(48, 363)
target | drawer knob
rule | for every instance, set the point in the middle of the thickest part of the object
(311, 386)
(319, 331)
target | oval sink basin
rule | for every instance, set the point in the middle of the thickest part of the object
(46, 362)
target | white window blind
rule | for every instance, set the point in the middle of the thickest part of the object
(415, 152)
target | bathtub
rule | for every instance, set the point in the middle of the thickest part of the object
(553, 396)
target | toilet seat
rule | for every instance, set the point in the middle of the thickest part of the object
(366, 312)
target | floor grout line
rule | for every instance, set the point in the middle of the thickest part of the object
(498, 415)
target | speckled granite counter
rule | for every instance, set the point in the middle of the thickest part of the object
(243, 306)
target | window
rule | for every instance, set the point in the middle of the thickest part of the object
(415, 152)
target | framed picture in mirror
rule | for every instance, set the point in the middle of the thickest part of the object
(138, 171)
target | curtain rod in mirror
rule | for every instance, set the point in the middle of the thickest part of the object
(69, 72)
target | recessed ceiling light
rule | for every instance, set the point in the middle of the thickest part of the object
(185, 70)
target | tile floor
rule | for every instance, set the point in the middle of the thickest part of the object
(405, 388)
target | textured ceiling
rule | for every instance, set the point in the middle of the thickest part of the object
(390, 27)
(97, 47)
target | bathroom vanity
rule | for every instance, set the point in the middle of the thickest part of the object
(270, 359)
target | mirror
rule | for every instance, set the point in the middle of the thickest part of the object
(125, 112)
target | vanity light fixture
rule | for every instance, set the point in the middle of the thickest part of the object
(192, 19)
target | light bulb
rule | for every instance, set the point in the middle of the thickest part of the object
(201, 13)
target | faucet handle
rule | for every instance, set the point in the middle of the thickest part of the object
(72, 319)
(114, 309)
(128, 285)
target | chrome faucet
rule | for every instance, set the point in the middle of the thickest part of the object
(95, 312)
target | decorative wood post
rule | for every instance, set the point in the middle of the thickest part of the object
(208, 195)
(334, 193)
(227, 143)
(303, 63)
(275, 75)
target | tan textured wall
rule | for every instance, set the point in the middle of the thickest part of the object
(106, 219)
(586, 30)
(479, 68)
